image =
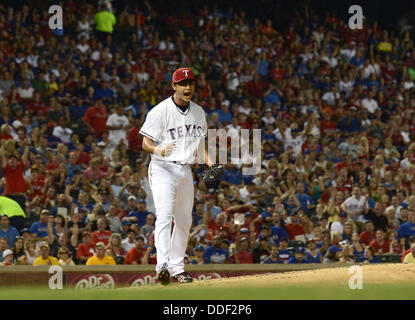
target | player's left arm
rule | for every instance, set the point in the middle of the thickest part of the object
(208, 161)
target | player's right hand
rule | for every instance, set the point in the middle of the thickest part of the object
(165, 151)
(168, 149)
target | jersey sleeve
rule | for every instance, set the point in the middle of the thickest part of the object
(152, 126)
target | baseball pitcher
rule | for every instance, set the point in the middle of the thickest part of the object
(173, 131)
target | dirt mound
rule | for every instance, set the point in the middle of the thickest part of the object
(379, 273)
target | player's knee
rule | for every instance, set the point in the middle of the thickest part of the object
(164, 220)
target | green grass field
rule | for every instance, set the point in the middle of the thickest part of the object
(181, 292)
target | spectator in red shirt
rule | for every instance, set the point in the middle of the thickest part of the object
(380, 245)
(327, 125)
(256, 87)
(136, 254)
(36, 183)
(367, 236)
(5, 132)
(96, 118)
(294, 228)
(16, 185)
(101, 235)
(86, 249)
(37, 107)
(245, 254)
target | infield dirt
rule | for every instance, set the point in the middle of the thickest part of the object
(372, 274)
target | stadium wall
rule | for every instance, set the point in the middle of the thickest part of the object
(111, 277)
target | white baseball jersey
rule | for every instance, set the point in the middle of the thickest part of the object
(166, 123)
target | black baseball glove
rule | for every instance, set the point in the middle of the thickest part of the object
(211, 176)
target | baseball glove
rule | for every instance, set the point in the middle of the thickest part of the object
(211, 176)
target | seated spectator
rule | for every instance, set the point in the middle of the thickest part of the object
(44, 257)
(244, 252)
(283, 252)
(7, 231)
(312, 254)
(332, 255)
(148, 229)
(295, 229)
(369, 256)
(410, 257)
(115, 249)
(18, 249)
(345, 254)
(114, 221)
(65, 257)
(411, 241)
(273, 256)
(129, 241)
(407, 229)
(86, 249)
(299, 257)
(215, 253)
(367, 236)
(100, 258)
(198, 258)
(380, 245)
(357, 246)
(101, 234)
(261, 250)
(136, 254)
(347, 231)
(40, 230)
(7, 258)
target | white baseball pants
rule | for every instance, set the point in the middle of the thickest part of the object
(173, 193)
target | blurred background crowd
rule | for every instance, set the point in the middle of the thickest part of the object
(334, 105)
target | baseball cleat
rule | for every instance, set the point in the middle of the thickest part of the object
(164, 275)
(183, 277)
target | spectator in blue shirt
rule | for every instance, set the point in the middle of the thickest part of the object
(305, 200)
(273, 256)
(39, 230)
(225, 116)
(299, 257)
(105, 93)
(369, 256)
(137, 212)
(312, 255)
(72, 168)
(215, 253)
(7, 231)
(284, 253)
(350, 122)
(407, 229)
(231, 175)
(277, 231)
(77, 110)
(198, 251)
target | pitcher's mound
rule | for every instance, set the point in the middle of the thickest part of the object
(378, 273)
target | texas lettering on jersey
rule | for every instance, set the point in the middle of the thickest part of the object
(185, 131)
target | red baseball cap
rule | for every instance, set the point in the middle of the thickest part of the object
(183, 74)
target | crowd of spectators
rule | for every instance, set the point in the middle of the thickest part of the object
(335, 107)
